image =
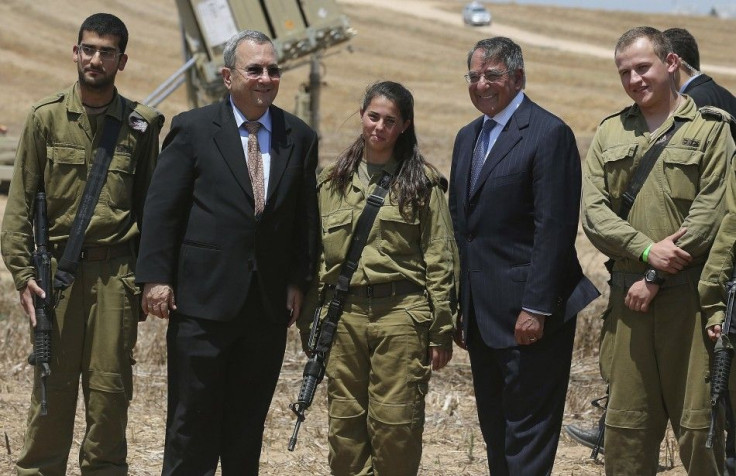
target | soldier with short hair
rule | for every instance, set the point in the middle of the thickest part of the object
(654, 349)
(96, 322)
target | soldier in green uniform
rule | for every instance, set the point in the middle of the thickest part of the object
(96, 321)
(398, 321)
(654, 349)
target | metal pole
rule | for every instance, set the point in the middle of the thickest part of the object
(315, 83)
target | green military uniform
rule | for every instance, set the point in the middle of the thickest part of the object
(379, 367)
(656, 362)
(96, 321)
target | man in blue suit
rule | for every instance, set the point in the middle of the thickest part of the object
(514, 198)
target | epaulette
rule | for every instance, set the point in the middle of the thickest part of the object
(143, 115)
(712, 112)
(323, 176)
(435, 177)
(58, 97)
(626, 109)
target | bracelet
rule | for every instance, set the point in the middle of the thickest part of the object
(645, 255)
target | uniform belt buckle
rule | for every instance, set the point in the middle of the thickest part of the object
(369, 291)
(82, 254)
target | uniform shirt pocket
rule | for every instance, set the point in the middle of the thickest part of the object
(118, 189)
(399, 236)
(65, 178)
(617, 164)
(337, 228)
(682, 171)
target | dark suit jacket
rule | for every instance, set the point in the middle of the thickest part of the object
(516, 231)
(199, 229)
(706, 92)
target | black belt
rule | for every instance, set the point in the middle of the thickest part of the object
(98, 253)
(384, 290)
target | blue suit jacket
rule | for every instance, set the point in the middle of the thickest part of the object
(516, 230)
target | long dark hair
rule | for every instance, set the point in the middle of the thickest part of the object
(410, 187)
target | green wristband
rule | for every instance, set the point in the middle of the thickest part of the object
(645, 255)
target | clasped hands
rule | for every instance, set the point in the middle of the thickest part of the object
(664, 256)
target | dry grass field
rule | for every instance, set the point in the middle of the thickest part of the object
(428, 56)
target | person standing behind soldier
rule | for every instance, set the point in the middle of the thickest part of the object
(397, 323)
(654, 351)
(227, 251)
(96, 322)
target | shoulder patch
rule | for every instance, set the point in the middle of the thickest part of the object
(143, 115)
(49, 100)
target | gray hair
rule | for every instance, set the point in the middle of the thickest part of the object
(228, 55)
(502, 49)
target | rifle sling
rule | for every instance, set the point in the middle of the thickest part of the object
(350, 264)
(68, 263)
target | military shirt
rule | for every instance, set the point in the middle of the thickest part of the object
(421, 249)
(56, 150)
(719, 267)
(684, 189)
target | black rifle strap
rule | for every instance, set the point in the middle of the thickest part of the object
(362, 229)
(350, 264)
(642, 172)
(67, 267)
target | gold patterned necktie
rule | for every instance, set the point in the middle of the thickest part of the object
(255, 166)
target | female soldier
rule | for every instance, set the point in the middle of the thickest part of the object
(398, 318)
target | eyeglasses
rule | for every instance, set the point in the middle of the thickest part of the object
(490, 76)
(106, 54)
(256, 71)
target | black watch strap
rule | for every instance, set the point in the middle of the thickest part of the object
(652, 276)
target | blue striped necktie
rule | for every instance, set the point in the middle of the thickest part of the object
(479, 153)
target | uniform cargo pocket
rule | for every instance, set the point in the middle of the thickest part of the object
(341, 408)
(681, 168)
(399, 237)
(391, 413)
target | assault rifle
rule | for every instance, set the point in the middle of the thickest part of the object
(41, 356)
(722, 358)
(320, 341)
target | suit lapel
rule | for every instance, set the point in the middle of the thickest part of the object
(281, 148)
(227, 140)
(510, 136)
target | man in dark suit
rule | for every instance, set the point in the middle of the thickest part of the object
(227, 253)
(688, 78)
(514, 199)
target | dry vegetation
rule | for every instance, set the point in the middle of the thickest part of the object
(429, 57)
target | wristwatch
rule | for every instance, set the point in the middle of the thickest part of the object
(652, 277)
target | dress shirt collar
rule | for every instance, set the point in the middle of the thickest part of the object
(504, 116)
(682, 89)
(265, 119)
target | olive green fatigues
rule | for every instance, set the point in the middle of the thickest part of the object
(96, 322)
(656, 362)
(379, 365)
(719, 269)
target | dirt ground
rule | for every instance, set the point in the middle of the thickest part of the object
(422, 43)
